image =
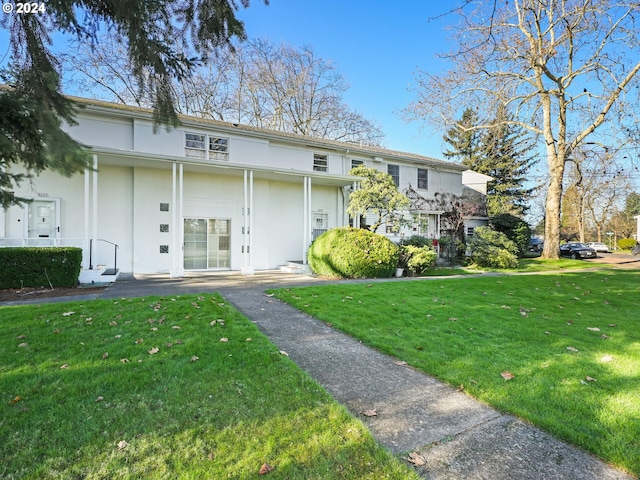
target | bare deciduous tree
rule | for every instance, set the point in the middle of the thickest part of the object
(564, 68)
(257, 83)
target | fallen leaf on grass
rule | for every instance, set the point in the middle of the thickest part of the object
(507, 375)
(124, 360)
(282, 352)
(606, 359)
(99, 399)
(370, 413)
(66, 314)
(195, 359)
(23, 344)
(400, 363)
(590, 379)
(105, 355)
(572, 349)
(65, 366)
(138, 341)
(122, 444)
(593, 329)
(417, 459)
(113, 323)
(249, 339)
(21, 337)
(460, 388)
(265, 468)
(224, 339)
(613, 324)
(15, 400)
(154, 350)
(176, 327)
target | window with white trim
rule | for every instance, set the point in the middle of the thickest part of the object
(470, 231)
(194, 145)
(394, 171)
(423, 178)
(197, 146)
(356, 162)
(320, 163)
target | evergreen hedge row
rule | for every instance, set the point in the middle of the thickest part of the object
(39, 267)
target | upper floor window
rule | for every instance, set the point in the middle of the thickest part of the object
(195, 146)
(394, 171)
(423, 178)
(356, 162)
(320, 163)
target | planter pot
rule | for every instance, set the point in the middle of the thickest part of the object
(399, 272)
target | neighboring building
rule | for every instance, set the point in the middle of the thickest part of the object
(207, 195)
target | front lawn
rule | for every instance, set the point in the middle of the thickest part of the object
(559, 350)
(176, 387)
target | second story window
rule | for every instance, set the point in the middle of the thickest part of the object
(320, 163)
(356, 162)
(218, 148)
(423, 178)
(394, 171)
(196, 146)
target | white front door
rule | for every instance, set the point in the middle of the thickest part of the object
(43, 221)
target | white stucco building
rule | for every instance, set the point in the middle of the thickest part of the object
(207, 195)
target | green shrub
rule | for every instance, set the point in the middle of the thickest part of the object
(39, 266)
(353, 253)
(417, 241)
(516, 230)
(626, 243)
(489, 248)
(417, 259)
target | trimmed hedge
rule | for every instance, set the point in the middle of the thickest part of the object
(353, 253)
(39, 266)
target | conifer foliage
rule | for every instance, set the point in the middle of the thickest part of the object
(164, 39)
(499, 149)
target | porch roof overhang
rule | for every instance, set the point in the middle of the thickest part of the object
(127, 158)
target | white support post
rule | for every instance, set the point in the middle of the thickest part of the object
(94, 220)
(247, 257)
(179, 227)
(174, 223)
(87, 208)
(306, 218)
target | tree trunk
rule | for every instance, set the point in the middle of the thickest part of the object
(552, 207)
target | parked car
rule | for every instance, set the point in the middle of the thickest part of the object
(598, 246)
(636, 250)
(577, 250)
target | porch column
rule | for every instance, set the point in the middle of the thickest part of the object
(356, 218)
(306, 218)
(94, 208)
(87, 205)
(177, 178)
(247, 228)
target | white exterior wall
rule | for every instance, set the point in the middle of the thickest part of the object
(135, 176)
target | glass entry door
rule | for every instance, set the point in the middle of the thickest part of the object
(207, 243)
(43, 221)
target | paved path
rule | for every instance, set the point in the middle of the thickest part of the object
(459, 437)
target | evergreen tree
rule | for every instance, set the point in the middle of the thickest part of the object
(159, 36)
(464, 139)
(501, 151)
(507, 157)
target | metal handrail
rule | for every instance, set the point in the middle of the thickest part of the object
(115, 253)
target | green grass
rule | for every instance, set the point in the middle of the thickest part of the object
(85, 394)
(468, 331)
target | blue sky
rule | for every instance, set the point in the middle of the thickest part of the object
(376, 46)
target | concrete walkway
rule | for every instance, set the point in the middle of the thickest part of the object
(457, 436)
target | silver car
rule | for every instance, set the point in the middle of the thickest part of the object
(598, 246)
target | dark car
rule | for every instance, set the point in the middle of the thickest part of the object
(577, 250)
